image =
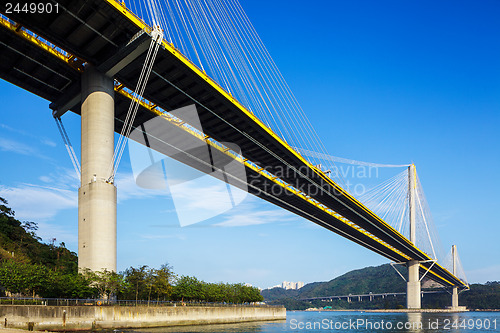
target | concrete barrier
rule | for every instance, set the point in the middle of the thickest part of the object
(68, 318)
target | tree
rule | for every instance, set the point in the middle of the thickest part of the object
(30, 228)
(20, 242)
(69, 286)
(162, 284)
(149, 280)
(12, 277)
(188, 288)
(4, 210)
(107, 283)
(214, 292)
(23, 278)
(135, 279)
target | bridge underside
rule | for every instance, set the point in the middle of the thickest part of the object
(101, 33)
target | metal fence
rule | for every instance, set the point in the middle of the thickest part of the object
(113, 302)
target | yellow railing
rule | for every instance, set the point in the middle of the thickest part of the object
(41, 43)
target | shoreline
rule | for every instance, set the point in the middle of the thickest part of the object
(16, 330)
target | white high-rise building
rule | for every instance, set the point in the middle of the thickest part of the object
(292, 285)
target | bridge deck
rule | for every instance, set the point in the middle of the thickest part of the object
(98, 32)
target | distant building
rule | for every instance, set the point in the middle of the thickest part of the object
(292, 285)
(288, 285)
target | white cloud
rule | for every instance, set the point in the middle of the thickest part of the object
(65, 233)
(210, 198)
(62, 178)
(255, 217)
(196, 201)
(48, 142)
(128, 189)
(203, 198)
(32, 202)
(58, 191)
(16, 147)
(41, 204)
(125, 183)
(45, 179)
(41, 139)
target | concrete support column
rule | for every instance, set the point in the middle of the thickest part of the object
(454, 298)
(413, 296)
(97, 197)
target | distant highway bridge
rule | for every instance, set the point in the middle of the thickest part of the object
(370, 296)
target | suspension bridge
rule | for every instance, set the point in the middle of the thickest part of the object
(192, 80)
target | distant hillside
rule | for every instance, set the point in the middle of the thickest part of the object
(362, 281)
(378, 280)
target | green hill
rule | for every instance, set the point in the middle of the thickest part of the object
(19, 242)
(362, 281)
(378, 279)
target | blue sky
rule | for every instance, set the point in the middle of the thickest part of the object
(387, 82)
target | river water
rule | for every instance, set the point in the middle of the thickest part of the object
(350, 321)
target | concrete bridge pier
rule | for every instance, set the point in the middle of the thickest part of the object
(96, 196)
(454, 298)
(454, 295)
(413, 295)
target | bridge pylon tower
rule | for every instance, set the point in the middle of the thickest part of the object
(413, 287)
(454, 295)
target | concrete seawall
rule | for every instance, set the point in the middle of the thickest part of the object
(39, 317)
